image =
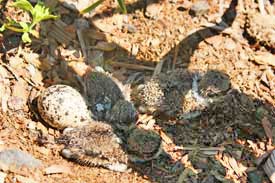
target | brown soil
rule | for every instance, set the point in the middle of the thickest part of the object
(222, 142)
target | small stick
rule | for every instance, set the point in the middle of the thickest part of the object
(221, 3)
(269, 167)
(199, 148)
(158, 68)
(82, 43)
(10, 70)
(131, 66)
(30, 82)
(241, 5)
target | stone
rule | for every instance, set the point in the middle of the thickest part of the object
(199, 8)
(15, 158)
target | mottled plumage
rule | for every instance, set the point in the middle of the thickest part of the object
(94, 145)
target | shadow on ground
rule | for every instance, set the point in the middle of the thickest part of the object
(231, 115)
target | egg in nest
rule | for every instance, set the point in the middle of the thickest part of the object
(62, 106)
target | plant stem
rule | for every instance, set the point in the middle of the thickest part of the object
(14, 28)
(91, 7)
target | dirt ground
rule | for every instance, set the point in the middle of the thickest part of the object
(224, 142)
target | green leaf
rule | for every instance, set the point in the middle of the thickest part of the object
(23, 4)
(34, 32)
(40, 13)
(122, 6)
(11, 21)
(91, 7)
(25, 26)
(3, 27)
(26, 38)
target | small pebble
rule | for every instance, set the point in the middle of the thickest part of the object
(199, 8)
(31, 125)
(16, 103)
(130, 28)
(82, 23)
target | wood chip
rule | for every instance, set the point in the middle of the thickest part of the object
(94, 34)
(82, 43)
(234, 169)
(135, 49)
(267, 127)
(2, 177)
(269, 167)
(264, 58)
(199, 148)
(165, 138)
(131, 66)
(56, 31)
(229, 44)
(56, 169)
(22, 179)
(158, 68)
(104, 46)
(80, 68)
(20, 89)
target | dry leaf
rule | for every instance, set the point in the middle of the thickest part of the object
(234, 169)
(237, 167)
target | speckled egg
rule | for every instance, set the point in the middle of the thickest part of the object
(62, 106)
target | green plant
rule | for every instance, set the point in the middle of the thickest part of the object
(38, 13)
(121, 4)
